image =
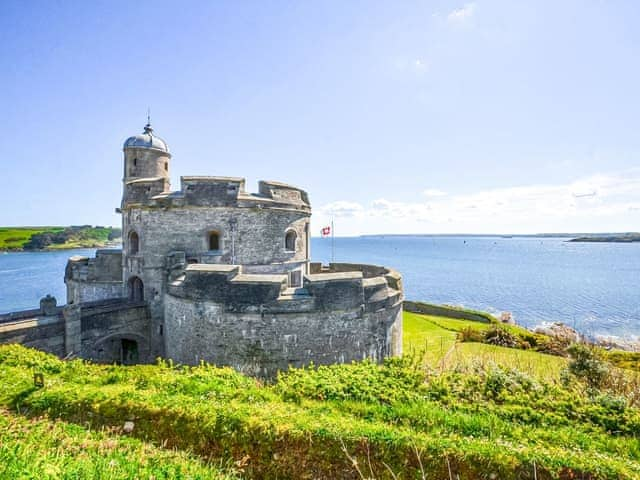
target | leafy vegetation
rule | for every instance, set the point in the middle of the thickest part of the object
(14, 238)
(445, 410)
(43, 449)
(39, 238)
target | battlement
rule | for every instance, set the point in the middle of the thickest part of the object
(208, 191)
(327, 291)
(92, 279)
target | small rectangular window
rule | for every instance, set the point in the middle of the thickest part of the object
(214, 241)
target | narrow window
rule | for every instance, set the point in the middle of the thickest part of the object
(290, 241)
(295, 279)
(136, 289)
(134, 243)
(135, 162)
(166, 166)
(214, 241)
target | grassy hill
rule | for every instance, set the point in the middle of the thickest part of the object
(447, 410)
(53, 238)
(13, 238)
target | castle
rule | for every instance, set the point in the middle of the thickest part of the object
(213, 273)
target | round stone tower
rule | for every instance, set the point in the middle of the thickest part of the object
(146, 174)
(146, 156)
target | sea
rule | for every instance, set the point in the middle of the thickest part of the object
(592, 287)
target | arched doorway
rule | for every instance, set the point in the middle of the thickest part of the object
(136, 289)
(128, 351)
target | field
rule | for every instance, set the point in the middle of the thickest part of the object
(435, 339)
(13, 238)
(447, 411)
(55, 238)
(53, 449)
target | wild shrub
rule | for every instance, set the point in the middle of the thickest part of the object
(498, 335)
(396, 380)
(586, 364)
(552, 346)
(470, 334)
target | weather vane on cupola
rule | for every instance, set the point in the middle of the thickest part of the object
(147, 127)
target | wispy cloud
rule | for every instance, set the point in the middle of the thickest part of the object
(591, 203)
(434, 192)
(462, 15)
(343, 209)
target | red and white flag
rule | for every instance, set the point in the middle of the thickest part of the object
(326, 231)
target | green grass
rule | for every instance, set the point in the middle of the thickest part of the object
(475, 410)
(16, 238)
(40, 449)
(13, 238)
(434, 338)
(479, 421)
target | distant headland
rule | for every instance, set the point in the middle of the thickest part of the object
(58, 238)
(624, 237)
(610, 237)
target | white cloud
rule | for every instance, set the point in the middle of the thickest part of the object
(343, 209)
(434, 192)
(462, 15)
(606, 202)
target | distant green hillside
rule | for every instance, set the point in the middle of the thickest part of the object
(616, 238)
(51, 238)
(447, 410)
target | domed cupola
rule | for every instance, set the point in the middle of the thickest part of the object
(147, 139)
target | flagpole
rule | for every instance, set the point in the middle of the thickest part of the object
(332, 245)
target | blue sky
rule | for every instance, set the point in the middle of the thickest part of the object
(396, 117)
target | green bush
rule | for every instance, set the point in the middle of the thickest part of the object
(586, 364)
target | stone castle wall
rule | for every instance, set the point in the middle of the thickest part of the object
(94, 279)
(255, 324)
(93, 331)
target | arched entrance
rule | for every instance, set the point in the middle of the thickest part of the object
(128, 351)
(136, 289)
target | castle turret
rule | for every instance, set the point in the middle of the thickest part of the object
(146, 175)
(146, 167)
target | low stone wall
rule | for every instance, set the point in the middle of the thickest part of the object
(255, 324)
(446, 311)
(94, 330)
(44, 332)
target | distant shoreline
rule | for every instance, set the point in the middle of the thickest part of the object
(627, 238)
(61, 248)
(44, 239)
(587, 237)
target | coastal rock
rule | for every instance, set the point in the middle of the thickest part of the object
(559, 331)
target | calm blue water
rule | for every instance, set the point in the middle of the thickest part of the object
(594, 287)
(26, 277)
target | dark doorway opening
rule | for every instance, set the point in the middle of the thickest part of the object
(128, 352)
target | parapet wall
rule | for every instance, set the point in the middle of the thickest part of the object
(204, 191)
(94, 279)
(256, 324)
(331, 290)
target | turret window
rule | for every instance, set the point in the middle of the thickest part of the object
(290, 241)
(214, 241)
(134, 243)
